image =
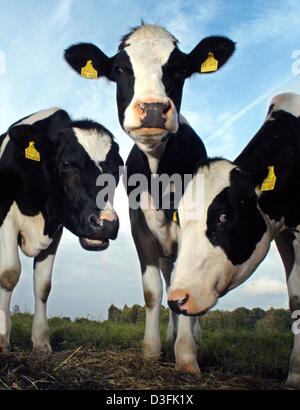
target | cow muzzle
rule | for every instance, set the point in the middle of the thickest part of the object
(186, 303)
(153, 118)
(104, 228)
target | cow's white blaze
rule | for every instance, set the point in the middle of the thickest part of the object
(96, 144)
(149, 49)
(203, 271)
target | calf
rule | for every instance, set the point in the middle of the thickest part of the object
(49, 167)
(246, 205)
(150, 70)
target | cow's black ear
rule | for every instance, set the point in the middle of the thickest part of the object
(89, 61)
(57, 122)
(28, 140)
(210, 54)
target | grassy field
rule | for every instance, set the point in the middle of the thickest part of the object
(93, 355)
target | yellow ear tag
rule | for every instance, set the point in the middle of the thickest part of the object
(269, 182)
(210, 64)
(174, 218)
(32, 153)
(89, 71)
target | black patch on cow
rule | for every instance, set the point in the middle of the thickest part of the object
(123, 75)
(277, 143)
(175, 72)
(183, 151)
(244, 225)
(51, 250)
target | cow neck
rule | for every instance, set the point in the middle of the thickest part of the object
(154, 156)
(31, 191)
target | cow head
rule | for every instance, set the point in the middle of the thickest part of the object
(149, 71)
(221, 247)
(71, 157)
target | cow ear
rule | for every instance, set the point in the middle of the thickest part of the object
(89, 61)
(242, 181)
(28, 140)
(210, 54)
(58, 121)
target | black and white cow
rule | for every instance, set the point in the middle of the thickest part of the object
(150, 70)
(49, 167)
(246, 205)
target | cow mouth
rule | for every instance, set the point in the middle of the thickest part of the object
(94, 244)
(149, 131)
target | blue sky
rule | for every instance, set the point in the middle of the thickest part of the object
(226, 109)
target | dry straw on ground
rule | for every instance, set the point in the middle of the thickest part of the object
(110, 369)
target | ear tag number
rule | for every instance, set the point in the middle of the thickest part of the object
(32, 153)
(210, 64)
(269, 182)
(89, 71)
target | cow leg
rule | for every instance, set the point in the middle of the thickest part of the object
(289, 249)
(167, 266)
(147, 249)
(185, 346)
(43, 265)
(152, 285)
(10, 270)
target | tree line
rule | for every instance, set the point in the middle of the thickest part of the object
(240, 318)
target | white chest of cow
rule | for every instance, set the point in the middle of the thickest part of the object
(165, 231)
(30, 229)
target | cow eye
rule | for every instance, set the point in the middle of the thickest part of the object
(122, 70)
(65, 165)
(222, 218)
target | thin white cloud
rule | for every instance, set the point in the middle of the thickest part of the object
(264, 286)
(271, 92)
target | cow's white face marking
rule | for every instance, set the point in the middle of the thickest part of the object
(203, 271)
(288, 102)
(97, 145)
(149, 49)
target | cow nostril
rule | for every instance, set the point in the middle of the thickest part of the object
(94, 221)
(182, 301)
(142, 108)
(175, 305)
(166, 108)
